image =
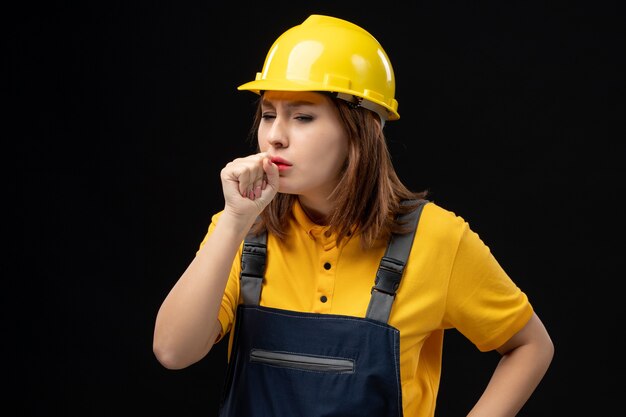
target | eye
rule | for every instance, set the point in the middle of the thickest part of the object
(268, 116)
(303, 118)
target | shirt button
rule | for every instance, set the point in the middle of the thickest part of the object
(323, 299)
(327, 266)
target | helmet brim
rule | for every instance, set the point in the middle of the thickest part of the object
(295, 85)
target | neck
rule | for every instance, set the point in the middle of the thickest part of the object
(318, 212)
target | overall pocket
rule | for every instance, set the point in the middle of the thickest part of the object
(302, 362)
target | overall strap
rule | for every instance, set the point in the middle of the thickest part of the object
(253, 267)
(391, 267)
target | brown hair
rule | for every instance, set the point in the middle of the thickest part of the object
(369, 193)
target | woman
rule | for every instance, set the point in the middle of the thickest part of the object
(335, 282)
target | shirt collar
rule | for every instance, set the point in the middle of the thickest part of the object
(315, 231)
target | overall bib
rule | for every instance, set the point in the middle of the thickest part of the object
(292, 364)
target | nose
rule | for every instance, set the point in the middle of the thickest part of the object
(277, 134)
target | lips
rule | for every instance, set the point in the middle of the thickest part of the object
(282, 164)
(280, 161)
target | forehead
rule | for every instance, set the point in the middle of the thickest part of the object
(295, 98)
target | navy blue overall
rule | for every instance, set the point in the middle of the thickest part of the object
(291, 364)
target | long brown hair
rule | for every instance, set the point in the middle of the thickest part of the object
(369, 193)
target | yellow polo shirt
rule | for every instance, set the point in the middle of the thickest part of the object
(451, 280)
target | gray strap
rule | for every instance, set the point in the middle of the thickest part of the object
(253, 267)
(391, 267)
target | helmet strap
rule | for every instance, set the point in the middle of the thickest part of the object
(356, 102)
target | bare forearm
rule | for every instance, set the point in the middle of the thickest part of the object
(511, 385)
(518, 373)
(186, 324)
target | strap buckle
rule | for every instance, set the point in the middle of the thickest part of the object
(388, 276)
(253, 260)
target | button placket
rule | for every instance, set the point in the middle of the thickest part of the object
(326, 283)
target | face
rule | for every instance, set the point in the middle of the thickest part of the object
(303, 135)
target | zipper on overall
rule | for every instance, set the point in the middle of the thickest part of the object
(302, 362)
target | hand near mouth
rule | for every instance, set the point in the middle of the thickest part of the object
(251, 179)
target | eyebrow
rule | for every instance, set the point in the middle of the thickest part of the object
(291, 104)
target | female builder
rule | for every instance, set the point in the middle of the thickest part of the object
(334, 282)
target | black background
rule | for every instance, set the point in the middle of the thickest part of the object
(121, 115)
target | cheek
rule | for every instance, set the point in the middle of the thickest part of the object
(261, 135)
(330, 161)
(339, 153)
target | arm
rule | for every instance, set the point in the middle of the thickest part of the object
(525, 359)
(186, 325)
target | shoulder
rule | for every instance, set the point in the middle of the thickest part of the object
(438, 221)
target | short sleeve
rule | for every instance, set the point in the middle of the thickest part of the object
(483, 302)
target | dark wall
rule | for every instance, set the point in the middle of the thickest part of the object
(123, 113)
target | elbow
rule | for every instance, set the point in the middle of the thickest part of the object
(167, 357)
(533, 339)
(172, 357)
(174, 351)
(543, 355)
(175, 357)
(542, 348)
(548, 351)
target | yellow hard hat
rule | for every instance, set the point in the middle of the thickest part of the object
(330, 54)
